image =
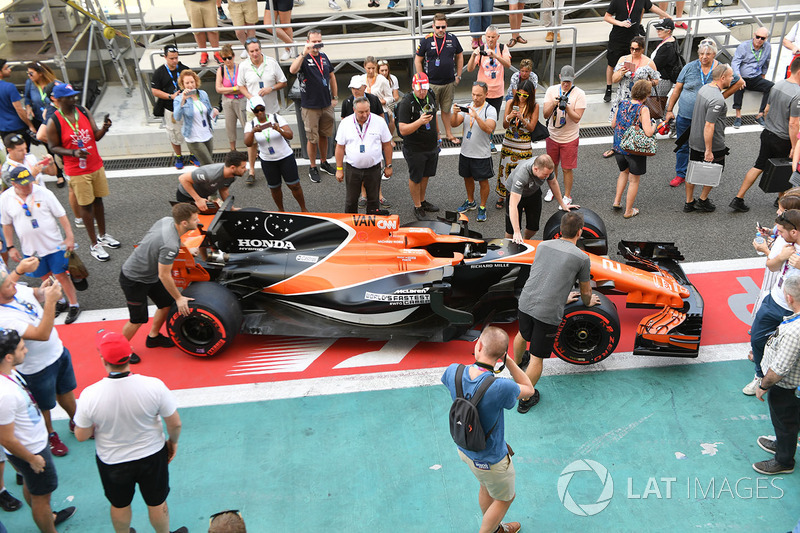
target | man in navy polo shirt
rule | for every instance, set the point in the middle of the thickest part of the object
(441, 57)
(318, 93)
(13, 118)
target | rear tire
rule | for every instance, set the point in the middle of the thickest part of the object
(214, 320)
(587, 335)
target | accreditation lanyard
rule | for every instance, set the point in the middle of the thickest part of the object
(255, 68)
(173, 78)
(472, 120)
(363, 133)
(25, 307)
(438, 48)
(703, 77)
(321, 67)
(74, 127)
(422, 109)
(266, 132)
(630, 8)
(760, 50)
(232, 79)
(201, 108)
(42, 95)
(20, 382)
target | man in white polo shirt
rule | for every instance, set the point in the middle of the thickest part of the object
(124, 412)
(361, 140)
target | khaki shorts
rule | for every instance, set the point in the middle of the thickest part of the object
(201, 14)
(174, 128)
(87, 187)
(243, 13)
(444, 96)
(318, 122)
(498, 480)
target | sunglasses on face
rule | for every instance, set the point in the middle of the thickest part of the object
(259, 109)
(522, 95)
(635, 48)
(441, 27)
(760, 38)
(226, 58)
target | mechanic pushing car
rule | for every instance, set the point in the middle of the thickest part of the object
(557, 266)
(148, 273)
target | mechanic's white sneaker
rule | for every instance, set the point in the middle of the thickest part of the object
(548, 196)
(108, 240)
(751, 387)
(99, 253)
(567, 201)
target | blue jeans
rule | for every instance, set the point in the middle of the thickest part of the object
(682, 155)
(478, 25)
(768, 318)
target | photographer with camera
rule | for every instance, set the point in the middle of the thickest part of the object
(564, 105)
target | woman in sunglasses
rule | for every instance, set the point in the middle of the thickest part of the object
(394, 86)
(271, 133)
(36, 99)
(521, 117)
(233, 102)
(194, 108)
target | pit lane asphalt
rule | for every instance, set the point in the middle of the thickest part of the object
(136, 202)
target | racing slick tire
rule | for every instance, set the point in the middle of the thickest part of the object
(587, 335)
(594, 238)
(214, 320)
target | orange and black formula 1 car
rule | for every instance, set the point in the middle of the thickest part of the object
(346, 275)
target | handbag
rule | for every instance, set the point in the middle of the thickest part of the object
(77, 271)
(540, 132)
(635, 141)
(657, 105)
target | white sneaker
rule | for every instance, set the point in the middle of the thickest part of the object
(567, 201)
(286, 55)
(79, 223)
(333, 5)
(384, 177)
(108, 240)
(99, 253)
(293, 52)
(298, 3)
(750, 389)
(548, 195)
(243, 55)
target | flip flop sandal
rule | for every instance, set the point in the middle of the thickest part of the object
(521, 40)
(608, 153)
(633, 213)
(501, 203)
(512, 42)
(616, 207)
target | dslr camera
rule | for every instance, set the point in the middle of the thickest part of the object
(561, 102)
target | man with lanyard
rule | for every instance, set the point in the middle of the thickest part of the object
(416, 123)
(361, 142)
(48, 367)
(525, 195)
(707, 134)
(782, 380)
(73, 134)
(164, 86)
(475, 160)
(564, 105)
(441, 57)
(751, 62)
(18, 155)
(557, 266)
(625, 16)
(34, 213)
(258, 76)
(197, 185)
(491, 60)
(492, 466)
(781, 127)
(24, 437)
(318, 95)
(124, 413)
(13, 117)
(358, 86)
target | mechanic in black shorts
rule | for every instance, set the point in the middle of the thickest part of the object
(625, 16)
(524, 185)
(148, 273)
(558, 264)
(416, 119)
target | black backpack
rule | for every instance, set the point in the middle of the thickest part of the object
(465, 423)
(679, 64)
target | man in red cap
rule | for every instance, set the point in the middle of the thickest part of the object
(416, 118)
(124, 411)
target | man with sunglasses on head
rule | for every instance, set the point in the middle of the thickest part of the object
(262, 76)
(34, 214)
(492, 466)
(751, 62)
(124, 414)
(441, 57)
(774, 308)
(13, 117)
(164, 87)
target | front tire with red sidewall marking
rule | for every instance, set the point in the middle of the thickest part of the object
(587, 335)
(214, 320)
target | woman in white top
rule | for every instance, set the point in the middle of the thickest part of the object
(271, 133)
(394, 85)
(792, 43)
(378, 85)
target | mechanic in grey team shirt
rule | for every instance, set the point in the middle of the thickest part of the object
(524, 186)
(558, 264)
(198, 184)
(148, 273)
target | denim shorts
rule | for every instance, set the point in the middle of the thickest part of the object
(56, 379)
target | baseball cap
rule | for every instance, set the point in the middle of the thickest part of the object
(664, 24)
(567, 73)
(63, 90)
(357, 81)
(420, 81)
(114, 348)
(21, 175)
(256, 101)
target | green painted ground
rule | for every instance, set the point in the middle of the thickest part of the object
(370, 461)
